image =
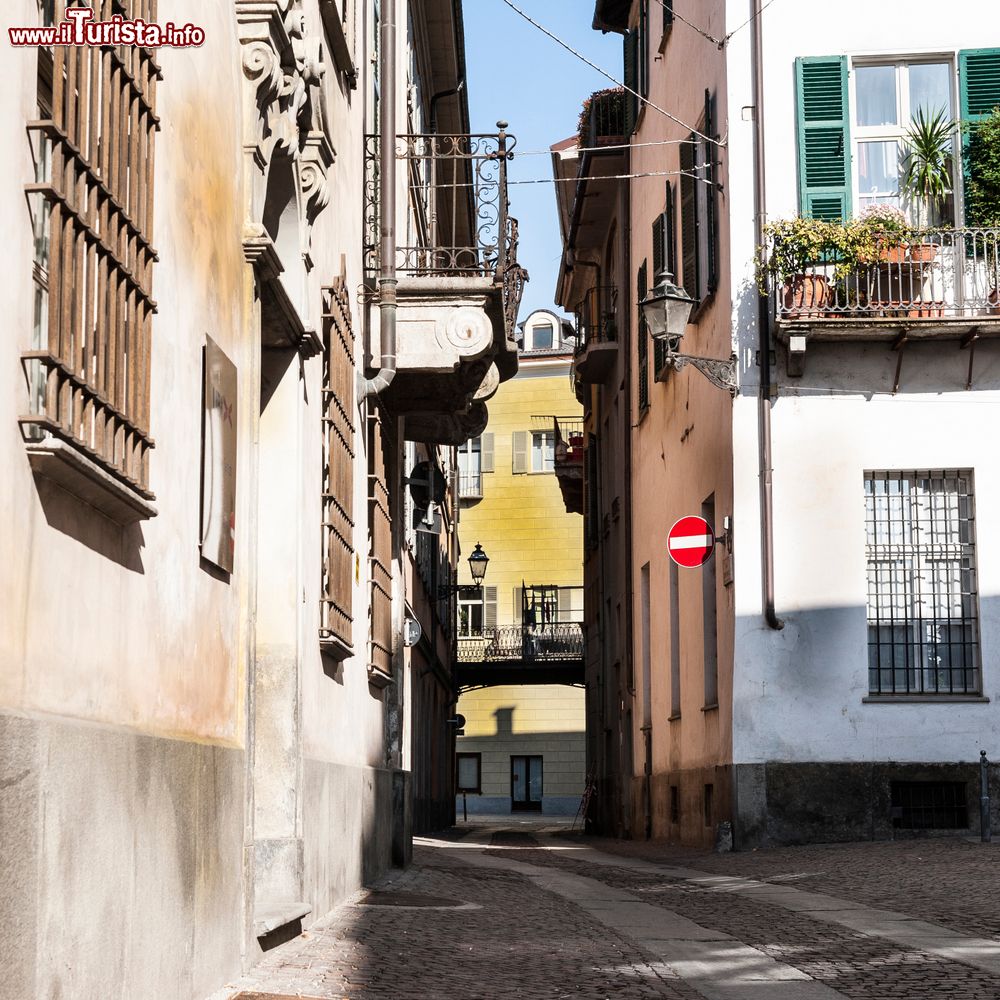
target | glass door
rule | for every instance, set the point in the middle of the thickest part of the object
(525, 783)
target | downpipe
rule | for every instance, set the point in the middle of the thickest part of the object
(387, 281)
(763, 331)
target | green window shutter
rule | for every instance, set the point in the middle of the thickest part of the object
(979, 94)
(486, 453)
(519, 465)
(642, 286)
(631, 79)
(689, 216)
(979, 82)
(489, 608)
(824, 137)
(710, 235)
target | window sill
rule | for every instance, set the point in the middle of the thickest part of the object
(378, 678)
(714, 707)
(674, 718)
(61, 463)
(330, 645)
(925, 699)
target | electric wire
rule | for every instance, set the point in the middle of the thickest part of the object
(620, 177)
(720, 42)
(601, 149)
(618, 83)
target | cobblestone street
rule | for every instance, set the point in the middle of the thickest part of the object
(518, 911)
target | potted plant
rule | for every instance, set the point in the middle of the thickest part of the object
(797, 251)
(928, 171)
(878, 235)
(982, 193)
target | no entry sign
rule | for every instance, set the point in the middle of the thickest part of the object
(690, 542)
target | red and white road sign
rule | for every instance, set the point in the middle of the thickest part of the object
(690, 542)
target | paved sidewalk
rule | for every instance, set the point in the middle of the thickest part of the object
(511, 911)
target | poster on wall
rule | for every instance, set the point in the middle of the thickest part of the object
(218, 459)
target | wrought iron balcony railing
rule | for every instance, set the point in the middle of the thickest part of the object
(470, 485)
(596, 317)
(523, 644)
(603, 120)
(934, 276)
(569, 442)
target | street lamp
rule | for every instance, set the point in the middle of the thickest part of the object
(477, 564)
(477, 567)
(667, 310)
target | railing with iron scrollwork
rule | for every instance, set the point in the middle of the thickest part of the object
(518, 643)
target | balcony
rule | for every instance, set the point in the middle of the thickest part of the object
(459, 281)
(470, 485)
(602, 121)
(569, 462)
(518, 654)
(930, 284)
(597, 334)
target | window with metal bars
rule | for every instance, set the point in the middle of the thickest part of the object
(923, 629)
(930, 805)
(642, 286)
(380, 548)
(92, 206)
(336, 618)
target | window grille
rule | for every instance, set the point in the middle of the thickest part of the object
(380, 548)
(929, 805)
(92, 203)
(922, 592)
(336, 617)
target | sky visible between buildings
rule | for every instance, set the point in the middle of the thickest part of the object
(517, 74)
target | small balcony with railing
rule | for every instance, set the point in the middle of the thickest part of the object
(459, 280)
(597, 334)
(901, 287)
(568, 461)
(602, 120)
(522, 654)
(470, 485)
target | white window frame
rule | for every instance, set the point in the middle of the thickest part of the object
(529, 339)
(465, 628)
(539, 450)
(885, 133)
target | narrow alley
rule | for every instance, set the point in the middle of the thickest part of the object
(497, 910)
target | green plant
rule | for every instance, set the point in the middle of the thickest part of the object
(867, 237)
(793, 245)
(928, 162)
(982, 172)
(613, 99)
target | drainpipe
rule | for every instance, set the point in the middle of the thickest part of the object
(387, 202)
(763, 329)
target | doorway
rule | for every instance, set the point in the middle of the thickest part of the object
(525, 783)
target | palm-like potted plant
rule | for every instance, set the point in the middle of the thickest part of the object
(927, 176)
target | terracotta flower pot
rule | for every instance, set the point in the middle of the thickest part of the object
(923, 253)
(994, 300)
(927, 310)
(804, 296)
(893, 255)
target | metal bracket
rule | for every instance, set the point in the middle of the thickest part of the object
(722, 374)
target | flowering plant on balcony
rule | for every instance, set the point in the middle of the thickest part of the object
(796, 256)
(610, 107)
(878, 234)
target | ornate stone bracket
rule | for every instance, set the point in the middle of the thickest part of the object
(283, 107)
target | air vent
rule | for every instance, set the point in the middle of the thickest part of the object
(930, 805)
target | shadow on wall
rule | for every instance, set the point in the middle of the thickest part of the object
(505, 721)
(67, 514)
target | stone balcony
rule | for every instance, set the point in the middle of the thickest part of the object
(459, 282)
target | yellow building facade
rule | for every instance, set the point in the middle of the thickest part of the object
(523, 747)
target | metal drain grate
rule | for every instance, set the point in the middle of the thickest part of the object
(392, 897)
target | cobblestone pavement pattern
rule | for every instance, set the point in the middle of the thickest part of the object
(519, 940)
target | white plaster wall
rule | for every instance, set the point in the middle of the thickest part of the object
(798, 693)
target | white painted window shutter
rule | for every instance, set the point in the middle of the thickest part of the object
(489, 608)
(520, 463)
(486, 453)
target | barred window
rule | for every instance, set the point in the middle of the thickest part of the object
(92, 214)
(336, 618)
(922, 593)
(380, 548)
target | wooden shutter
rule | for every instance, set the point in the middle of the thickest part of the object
(689, 216)
(630, 45)
(642, 286)
(979, 94)
(708, 234)
(659, 228)
(824, 137)
(486, 453)
(668, 15)
(644, 48)
(979, 82)
(519, 465)
(489, 609)
(518, 605)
